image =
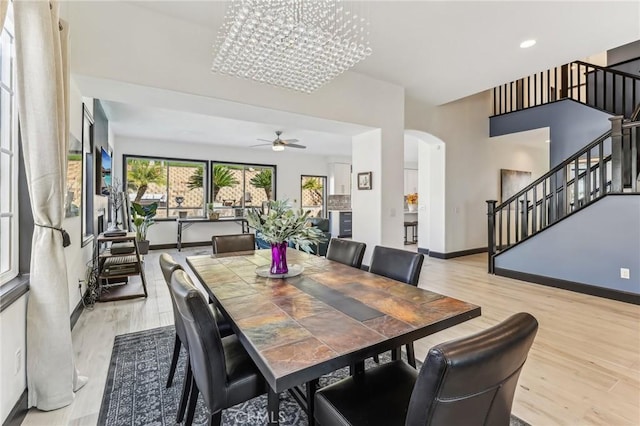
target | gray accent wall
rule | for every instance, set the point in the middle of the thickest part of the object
(588, 247)
(572, 125)
(623, 53)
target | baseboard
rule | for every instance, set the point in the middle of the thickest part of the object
(423, 251)
(175, 245)
(18, 412)
(75, 315)
(592, 290)
(453, 254)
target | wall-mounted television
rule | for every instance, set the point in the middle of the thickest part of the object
(105, 172)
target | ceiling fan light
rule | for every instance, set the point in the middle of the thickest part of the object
(277, 148)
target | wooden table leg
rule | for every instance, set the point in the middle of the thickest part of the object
(273, 407)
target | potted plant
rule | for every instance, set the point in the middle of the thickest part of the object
(213, 215)
(279, 226)
(142, 219)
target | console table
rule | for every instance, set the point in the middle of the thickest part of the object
(186, 223)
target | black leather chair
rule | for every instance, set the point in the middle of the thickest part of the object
(168, 266)
(469, 381)
(399, 265)
(231, 243)
(222, 369)
(346, 252)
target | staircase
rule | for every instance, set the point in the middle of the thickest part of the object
(607, 165)
(606, 89)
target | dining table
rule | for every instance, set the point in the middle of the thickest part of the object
(297, 329)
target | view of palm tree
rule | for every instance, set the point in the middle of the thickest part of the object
(263, 180)
(141, 173)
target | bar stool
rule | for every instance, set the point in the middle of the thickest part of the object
(414, 232)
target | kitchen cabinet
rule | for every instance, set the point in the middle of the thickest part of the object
(341, 223)
(410, 181)
(340, 179)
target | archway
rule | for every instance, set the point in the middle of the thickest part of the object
(431, 189)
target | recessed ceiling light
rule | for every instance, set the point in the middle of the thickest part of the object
(527, 43)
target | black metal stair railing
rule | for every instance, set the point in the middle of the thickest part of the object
(600, 87)
(609, 164)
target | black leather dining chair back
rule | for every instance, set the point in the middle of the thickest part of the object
(168, 266)
(399, 265)
(346, 252)
(231, 243)
(206, 354)
(472, 380)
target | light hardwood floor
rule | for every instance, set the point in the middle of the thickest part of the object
(583, 369)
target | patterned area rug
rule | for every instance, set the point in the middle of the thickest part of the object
(135, 392)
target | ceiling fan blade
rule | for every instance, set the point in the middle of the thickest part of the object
(289, 140)
(295, 145)
(264, 140)
(261, 144)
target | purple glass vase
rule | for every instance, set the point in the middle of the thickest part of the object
(279, 258)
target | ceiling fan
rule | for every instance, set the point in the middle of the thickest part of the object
(279, 144)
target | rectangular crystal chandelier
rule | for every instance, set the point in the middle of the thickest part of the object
(297, 44)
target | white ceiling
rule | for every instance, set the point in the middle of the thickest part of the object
(163, 124)
(439, 51)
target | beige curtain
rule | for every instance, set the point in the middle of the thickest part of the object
(42, 93)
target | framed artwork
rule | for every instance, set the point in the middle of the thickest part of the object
(87, 176)
(364, 180)
(512, 181)
(74, 196)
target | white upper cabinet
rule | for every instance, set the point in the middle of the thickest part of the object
(410, 181)
(340, 179)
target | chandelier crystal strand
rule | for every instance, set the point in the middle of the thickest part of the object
(297, 44)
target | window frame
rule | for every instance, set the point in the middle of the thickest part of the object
(325, 180)
(205, 181)
(274, 179)
(13, 152)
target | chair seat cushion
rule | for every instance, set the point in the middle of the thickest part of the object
(244, 379)
(379, 396)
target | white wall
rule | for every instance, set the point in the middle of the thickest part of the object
(13, 337)
(431, 198)
(289, 167)
(157, 51)
(473, 163)
(76, 255)
(366, 223)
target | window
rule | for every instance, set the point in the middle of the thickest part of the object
(8, 155)
(313, 195)
(236, 187)
(176, 185)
